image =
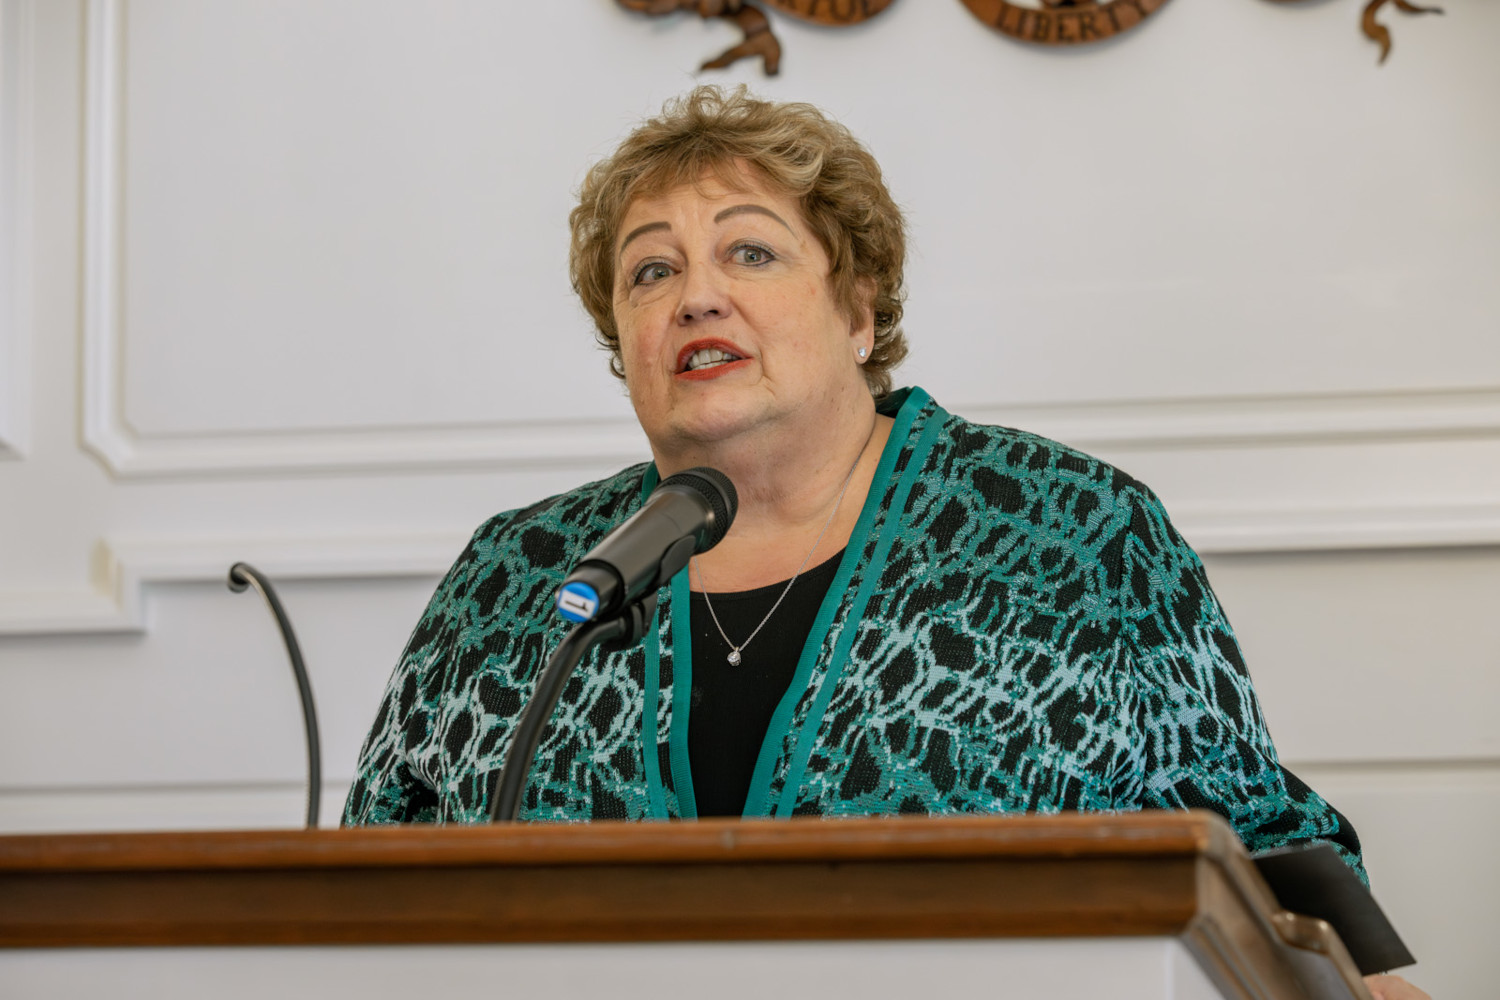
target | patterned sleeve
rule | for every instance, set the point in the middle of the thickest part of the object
(1206, 744)
(390, 785)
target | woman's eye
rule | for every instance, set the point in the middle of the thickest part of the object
(748, 253)
(651, 271)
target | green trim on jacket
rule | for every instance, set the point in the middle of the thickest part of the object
(1015, 626)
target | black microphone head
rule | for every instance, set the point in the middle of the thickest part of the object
(716, 489)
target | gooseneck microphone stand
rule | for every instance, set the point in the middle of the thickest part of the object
(611, 594)
(241, 577)
(624, 629)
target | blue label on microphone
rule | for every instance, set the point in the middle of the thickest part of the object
(577, 602)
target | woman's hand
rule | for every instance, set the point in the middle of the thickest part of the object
(1393, 988)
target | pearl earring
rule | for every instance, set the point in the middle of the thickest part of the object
(862, 352)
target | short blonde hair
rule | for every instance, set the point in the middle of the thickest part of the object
(801, 152)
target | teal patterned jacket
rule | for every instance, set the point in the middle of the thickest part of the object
(1015, 627)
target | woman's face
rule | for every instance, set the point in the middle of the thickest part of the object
(726, 316)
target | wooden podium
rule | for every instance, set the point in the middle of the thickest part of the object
(1181, 879)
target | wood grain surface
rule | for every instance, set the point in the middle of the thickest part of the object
(1072, 875)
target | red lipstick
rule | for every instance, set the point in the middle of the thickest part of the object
(735, 358)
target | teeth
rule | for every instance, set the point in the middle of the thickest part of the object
(707, 358)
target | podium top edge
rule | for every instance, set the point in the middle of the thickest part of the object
(718, 841)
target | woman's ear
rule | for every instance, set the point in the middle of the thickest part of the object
(862, 323)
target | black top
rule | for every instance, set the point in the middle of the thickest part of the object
(732, 705)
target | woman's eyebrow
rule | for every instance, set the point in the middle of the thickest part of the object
(758, 209)
(642, 230)
(726, 213)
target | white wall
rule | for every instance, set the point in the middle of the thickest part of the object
(285, 282)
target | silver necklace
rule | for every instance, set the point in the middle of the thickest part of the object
(734, 651)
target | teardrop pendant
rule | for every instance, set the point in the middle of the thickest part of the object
(734, 657)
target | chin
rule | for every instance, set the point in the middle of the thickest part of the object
(710, 421)
(709, 431)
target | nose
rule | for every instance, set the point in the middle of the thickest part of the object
(704, 296)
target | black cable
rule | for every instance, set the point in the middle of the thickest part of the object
(626, 627)
(241, 576)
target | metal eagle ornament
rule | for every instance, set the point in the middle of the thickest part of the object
(1043, 22)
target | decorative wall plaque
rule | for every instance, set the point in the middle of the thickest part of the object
(1379, 33)
(1045, 22)
(756, 27)
(1063, 22)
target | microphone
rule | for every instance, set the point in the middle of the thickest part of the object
(688, 513)
(611, 594)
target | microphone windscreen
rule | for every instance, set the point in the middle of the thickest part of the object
(716, 489)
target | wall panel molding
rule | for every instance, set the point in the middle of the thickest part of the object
(1331, 529)
(226, 806)
(127, 454)
(115, 601)
(1158, 423)
(16, 90)
(280, 805)
(102, 432)
(125, 569)
(1256, 420)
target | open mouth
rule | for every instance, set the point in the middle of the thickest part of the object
(706, 358)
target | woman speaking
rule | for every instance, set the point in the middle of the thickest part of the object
(911, 613)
